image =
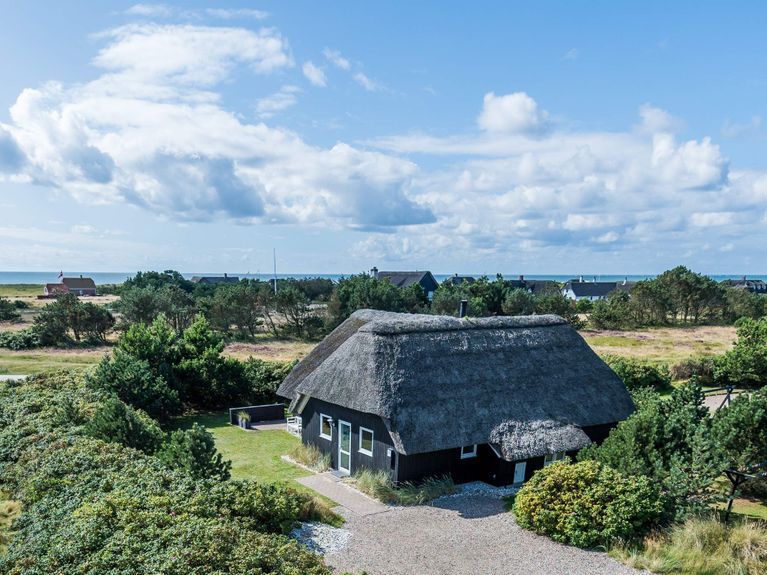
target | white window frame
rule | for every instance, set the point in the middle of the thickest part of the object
(550, 458)
(470, 454)
(372, 441)
(323, 435)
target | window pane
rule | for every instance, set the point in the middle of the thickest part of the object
(366, 440)
(325, 427)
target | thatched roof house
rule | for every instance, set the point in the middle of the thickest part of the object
(443, 390)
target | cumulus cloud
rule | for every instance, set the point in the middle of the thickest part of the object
(655, 120)
(151, 131)
(335, 57)
(314, 74)
(511, 113)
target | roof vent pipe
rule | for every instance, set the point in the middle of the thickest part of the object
(462, 307)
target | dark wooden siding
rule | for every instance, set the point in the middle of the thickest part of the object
(382, 441)
(486, 466)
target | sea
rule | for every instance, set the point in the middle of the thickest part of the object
(39, 278)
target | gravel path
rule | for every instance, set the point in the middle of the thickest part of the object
(468, 535)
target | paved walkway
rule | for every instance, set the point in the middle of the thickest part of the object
(267, 425)
(347, 497)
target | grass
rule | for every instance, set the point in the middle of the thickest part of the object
(701, 546)
(20, 290)
(255, 455)
(378, 484)
(269, 348)
(311, 457)
(36, 361)
(666, 345)
(9, 511)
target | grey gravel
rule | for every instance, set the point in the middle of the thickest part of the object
(480, 488)
(465, 535)
(320, 537)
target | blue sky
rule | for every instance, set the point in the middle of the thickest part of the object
(546, 137)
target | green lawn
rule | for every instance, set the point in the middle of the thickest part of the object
(37, 361)
(255, 455)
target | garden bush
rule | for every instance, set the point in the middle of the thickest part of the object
(194, 451)
(586, 504)
(636, 374)
(132, 380)
(116, 422)
(19, 340)
(700, 367)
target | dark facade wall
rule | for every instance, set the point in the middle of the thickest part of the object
(271, 412)
(486, 466)
(382, 441)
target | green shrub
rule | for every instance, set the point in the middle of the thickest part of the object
(746, 363)
(132, 380)
(19, 340)
(311, 457)
(117, 422)
(701, 368)
(636, 374)
(700, 546)
(378, 484)
(8, 310)
(263, 378)
(194, 451)
(586, 504)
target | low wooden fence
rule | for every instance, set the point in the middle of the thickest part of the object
(271, 412)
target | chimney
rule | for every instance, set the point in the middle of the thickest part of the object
(581, 279)
(224, 274)
(462, 307)
(374, 272)
(521, 278)
(625, 280)
(81, 276)
(595, 279)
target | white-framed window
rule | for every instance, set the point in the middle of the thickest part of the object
(468, 451)
(326, 426)
(553, 457)
(366, 441)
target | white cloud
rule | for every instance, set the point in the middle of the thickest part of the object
(151, 131)
(314, 74)
(709, 219)
(335, 57)
(281, 100)
(150, 10)
(367, 83)
(657, 120)
(231, 14)
(510, 113)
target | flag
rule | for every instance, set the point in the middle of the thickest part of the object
(61, 275)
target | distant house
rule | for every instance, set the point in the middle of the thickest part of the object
(753, 286)
(488, 399)
(213, 280)
(406, 279)
(457, 280)
(80, 286)
(578, 289)
(54, 290)
(536, 287)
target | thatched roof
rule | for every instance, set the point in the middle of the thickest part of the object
(535, 438)
(443, 382)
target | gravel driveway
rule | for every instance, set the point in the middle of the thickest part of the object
(467, 535)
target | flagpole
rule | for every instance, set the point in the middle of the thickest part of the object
(274, 254)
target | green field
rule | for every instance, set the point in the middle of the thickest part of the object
(254, 455)
(39, 360)
(20, 290)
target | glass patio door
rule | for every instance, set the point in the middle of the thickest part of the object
(344, 447)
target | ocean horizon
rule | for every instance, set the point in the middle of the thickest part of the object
(101, 278)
